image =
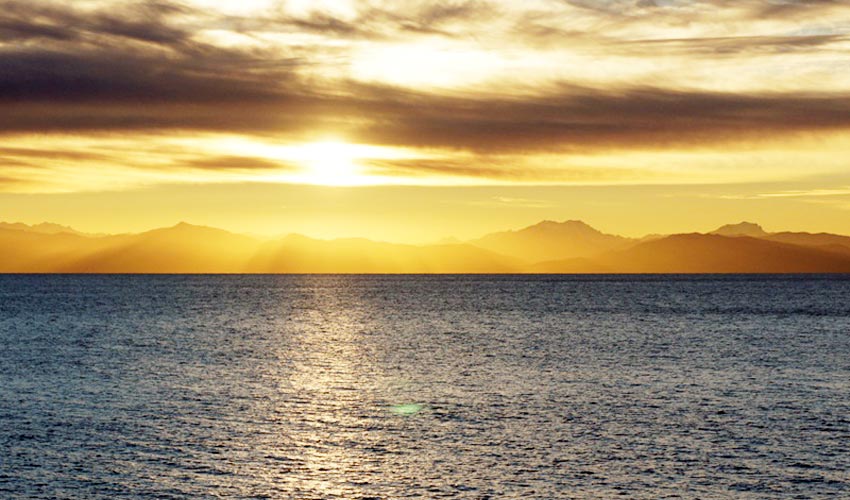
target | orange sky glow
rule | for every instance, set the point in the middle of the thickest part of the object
(413, 121)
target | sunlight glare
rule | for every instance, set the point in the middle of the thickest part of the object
(429, 64)
(330, 163)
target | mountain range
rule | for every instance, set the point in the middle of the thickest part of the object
(546, 247)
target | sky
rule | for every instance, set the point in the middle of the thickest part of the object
(412, 121)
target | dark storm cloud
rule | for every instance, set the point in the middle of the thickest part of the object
(10, 30)
(21, 21)
(133, 54)
(583, 118)
(138, 68)
(113, 76)
(574, 118)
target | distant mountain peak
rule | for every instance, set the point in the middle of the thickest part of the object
(182, 223)
(741, 229)
(551, 240)
(570, 222)
(189, 226)
(41, 228)
(191, 232)
(567, 224)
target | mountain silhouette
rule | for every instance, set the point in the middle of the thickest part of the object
(575, 246)
(300, 254)
(824, 241)
(43, 228)
(819, 240)
(709, 254)
(25, 251)
(183, 248)
(699, 253)
(741, 229)
(549, 240)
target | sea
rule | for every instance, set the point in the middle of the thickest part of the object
(418, 386)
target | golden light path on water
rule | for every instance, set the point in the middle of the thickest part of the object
(343, 399)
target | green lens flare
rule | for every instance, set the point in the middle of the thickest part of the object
(406, 409)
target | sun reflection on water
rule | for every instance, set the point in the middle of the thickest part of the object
(343, 408)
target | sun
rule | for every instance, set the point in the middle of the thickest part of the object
(326, 162)
(330, 163)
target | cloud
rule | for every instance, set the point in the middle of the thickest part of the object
(501, 168)
(135, 53)
(584, 118)
(51, 154)
(8, 183)
(794, 8)
(734, 45)
(567, 118)
(564, 78)
(57, 77)
(6, 162)
(140, 21)
(493, 168)
(808, 193)
(837, 197)
(388, 20)
(235, 163)
(142, 68)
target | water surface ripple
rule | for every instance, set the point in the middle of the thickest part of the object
(358, 387)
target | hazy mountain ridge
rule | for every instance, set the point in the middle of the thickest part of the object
(183, 248)
(546, 247)
(43, 228)
(712, 253)
(549, 240)
(741, 229)
(300, 254)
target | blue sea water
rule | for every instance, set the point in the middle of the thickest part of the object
(356, 387)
